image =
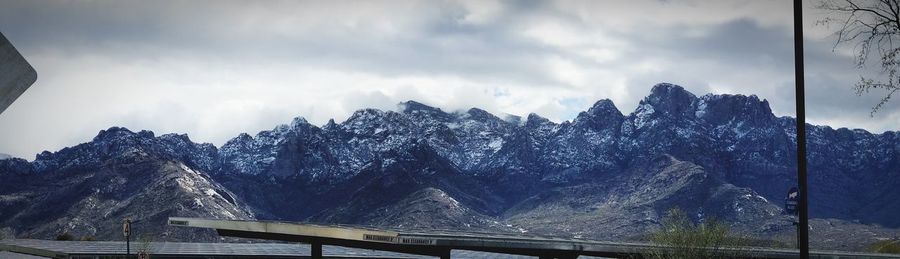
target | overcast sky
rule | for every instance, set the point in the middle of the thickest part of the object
(214, 69)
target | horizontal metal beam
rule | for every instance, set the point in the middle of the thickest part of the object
(32, 251)
(283, 228)
(440, 242)
(417, 250)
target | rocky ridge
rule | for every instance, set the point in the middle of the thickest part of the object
(723, 156)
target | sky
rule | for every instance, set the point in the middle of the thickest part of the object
(214, 69)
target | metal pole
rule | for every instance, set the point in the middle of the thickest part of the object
(315, 250)
(797, 226)
(803, 227)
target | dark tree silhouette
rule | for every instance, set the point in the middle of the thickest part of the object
(872, 26)
(65, 236)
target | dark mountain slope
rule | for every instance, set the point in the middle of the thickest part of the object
(129, 180)
(726, 156)
(630, 204)
(396, 177)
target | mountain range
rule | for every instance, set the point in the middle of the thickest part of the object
(604, 175)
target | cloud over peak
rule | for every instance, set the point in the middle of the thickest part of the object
(214, 70)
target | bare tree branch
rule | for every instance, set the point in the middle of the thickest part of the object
(872, 25)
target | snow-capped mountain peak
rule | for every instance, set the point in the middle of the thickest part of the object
(411, 106)
(669, 100)
(728, 146)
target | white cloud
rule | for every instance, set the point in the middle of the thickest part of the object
(215, 70)
(481, 11)
(629, 15)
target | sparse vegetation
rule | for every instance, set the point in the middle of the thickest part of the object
(65, 236)
(682, 238)
(885, 246)
(146, 246)
(871, 27)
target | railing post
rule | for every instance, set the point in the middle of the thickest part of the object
(315, 250)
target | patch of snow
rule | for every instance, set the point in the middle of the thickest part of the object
(737, 206)
(453, 203)
(387, 162)
(228, 214)
(685, 133)
(642, 116)
(283, 128)
(495, 144)
(739, 131)
(186, 168)
(429, 171)
(267, 160)
(187, 184)
(198, 203)
(762, 198)
(701, 109)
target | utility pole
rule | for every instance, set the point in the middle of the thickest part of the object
(803, 226)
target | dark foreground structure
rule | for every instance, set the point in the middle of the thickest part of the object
(441, 244)
(29, 248)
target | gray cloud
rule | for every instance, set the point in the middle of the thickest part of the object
(213, 70)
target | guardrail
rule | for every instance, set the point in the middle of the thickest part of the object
(441, 243)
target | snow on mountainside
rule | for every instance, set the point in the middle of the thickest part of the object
(132, 175)
(116, 141)
(473, 168)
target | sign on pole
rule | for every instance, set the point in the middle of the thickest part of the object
(126, 228)
(790, 203)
